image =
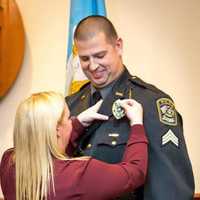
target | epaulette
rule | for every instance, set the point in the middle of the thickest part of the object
(70, 98)
(84, 85)
(78, 86)
(137, 81)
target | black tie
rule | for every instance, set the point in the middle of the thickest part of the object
(95, 97)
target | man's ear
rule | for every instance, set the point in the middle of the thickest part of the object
(119, 46)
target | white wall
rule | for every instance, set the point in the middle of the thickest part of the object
(161, 45)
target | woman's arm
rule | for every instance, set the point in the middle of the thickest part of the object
(77, 131)
(104, 181)
(83, 120)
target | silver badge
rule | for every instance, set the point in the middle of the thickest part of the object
(117, 110)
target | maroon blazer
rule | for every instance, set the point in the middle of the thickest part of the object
(89, 179)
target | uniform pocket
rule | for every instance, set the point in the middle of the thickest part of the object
(112, 140)
(110, 149)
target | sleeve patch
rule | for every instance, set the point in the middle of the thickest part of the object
(167, 111)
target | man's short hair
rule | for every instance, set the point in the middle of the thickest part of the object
(94, 24)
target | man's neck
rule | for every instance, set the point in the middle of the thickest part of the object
(107, 89)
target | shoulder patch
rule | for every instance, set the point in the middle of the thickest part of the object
(167, 111)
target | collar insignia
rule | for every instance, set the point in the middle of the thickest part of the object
(119, 94)
(82, 97)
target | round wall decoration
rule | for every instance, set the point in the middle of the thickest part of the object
(12, 42)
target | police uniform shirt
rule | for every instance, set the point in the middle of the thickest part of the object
(170, 175)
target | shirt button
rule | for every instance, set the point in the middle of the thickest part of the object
(89, 146)
(113, 142)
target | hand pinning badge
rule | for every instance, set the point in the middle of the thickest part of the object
(117, 110)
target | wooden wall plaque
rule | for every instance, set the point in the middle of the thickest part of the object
(12, 42)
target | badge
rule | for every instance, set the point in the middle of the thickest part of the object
(170, 137)
(117, 110)
(167, 111)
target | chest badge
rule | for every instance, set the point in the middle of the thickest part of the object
(117, 110)
(167, 111)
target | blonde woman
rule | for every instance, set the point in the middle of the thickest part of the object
(38, 166)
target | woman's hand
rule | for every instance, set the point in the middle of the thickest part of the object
(88, 116)
(133, 110)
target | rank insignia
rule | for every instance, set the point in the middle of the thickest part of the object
(167, 111)
(170, 137)
(117, 110)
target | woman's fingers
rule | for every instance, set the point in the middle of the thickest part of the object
(126, 103)
(96, 106)
(99, 116)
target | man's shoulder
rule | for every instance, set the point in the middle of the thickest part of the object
(83, 89)
(149, 88)
(153, 98)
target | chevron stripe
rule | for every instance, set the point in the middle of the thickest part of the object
(170, 137)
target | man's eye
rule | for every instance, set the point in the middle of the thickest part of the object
(84, 58)
(100, 56)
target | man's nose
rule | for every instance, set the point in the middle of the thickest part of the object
(92, 65)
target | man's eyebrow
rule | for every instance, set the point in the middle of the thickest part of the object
(95, 54)
(100, 52)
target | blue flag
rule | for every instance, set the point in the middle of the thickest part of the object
(79, 9)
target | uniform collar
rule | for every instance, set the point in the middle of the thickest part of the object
(117, 92)
(114, 85)
(103, 91)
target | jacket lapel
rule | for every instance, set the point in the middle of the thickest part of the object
(82, 103)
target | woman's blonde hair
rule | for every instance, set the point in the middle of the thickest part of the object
(35, 142)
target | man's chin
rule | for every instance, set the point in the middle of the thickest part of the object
(98, 84)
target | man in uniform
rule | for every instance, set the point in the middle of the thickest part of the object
(170, 175)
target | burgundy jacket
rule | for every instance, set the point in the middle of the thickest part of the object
(89, 179)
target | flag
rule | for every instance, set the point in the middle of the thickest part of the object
(79, 9)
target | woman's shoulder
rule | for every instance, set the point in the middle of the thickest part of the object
(7, 155)
(8, 152)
